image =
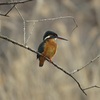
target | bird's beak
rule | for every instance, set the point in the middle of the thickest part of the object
(61, 38)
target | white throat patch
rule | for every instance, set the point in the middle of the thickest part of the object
(49, 37)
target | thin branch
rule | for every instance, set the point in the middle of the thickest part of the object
(75, 25)
(9, 10)
(19, 13)
(55, 65)
(91, 87)
(24, 30)
(0, 25)
(50, 19)
(77, 70)
(6, 14)
(15, 2)
(24, 24)
(10, 3)
(69, 75)
(30, 33)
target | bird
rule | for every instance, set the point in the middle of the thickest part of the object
(48, 47)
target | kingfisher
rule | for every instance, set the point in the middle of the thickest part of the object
(48, 47)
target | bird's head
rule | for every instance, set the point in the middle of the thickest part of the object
(52, 35)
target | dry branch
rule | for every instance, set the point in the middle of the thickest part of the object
(12, 3)
(24, 24)
(6, 14)
(55, 65)
(94, 86)
(77, 70)
(15, 2)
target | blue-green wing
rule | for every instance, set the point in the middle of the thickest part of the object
(40, 49)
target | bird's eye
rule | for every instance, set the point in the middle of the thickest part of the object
(56, 35)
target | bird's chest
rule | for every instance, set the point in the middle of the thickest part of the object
(50, 49)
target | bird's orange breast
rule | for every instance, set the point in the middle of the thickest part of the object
(50, 48)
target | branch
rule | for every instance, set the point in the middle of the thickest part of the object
(9, 10)
(24, 24)
(0, 25)
(6, 14)
(3, 15)
(52, 19)
(94, 86)
(33, 25)
(69, 75)
(75, 25)
(10, 3)
(55, 65)
(15, 2)
(77, 70)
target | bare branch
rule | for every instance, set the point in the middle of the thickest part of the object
(10, 3)
(0, 25)
(19, 13)
(15, 2)
(77, 70)
(75, 25)
(50, 19)
(69, 75)
(91, 87)
(30, 33)
(6, 14)
(55, 65)
(24, 24)
(9, 10)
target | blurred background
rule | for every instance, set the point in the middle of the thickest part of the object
(21, 78)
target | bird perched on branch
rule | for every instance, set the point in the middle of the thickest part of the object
(48, 47)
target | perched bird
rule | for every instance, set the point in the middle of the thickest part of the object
(48, 47)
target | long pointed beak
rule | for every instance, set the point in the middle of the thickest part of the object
(61, 38)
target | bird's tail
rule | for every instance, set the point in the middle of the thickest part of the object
(41, 63)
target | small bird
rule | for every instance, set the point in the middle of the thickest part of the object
(48, 47)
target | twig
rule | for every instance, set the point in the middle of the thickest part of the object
(15, 2)
(6, 14)
(11, 3)
(69, 75)
(77, 70)
(94, 86)
(0, 25)
(24, 24)
(19, 13)
(9, 10)
(55, 65)
(50, 19)
(30, 33)
(75, 25)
